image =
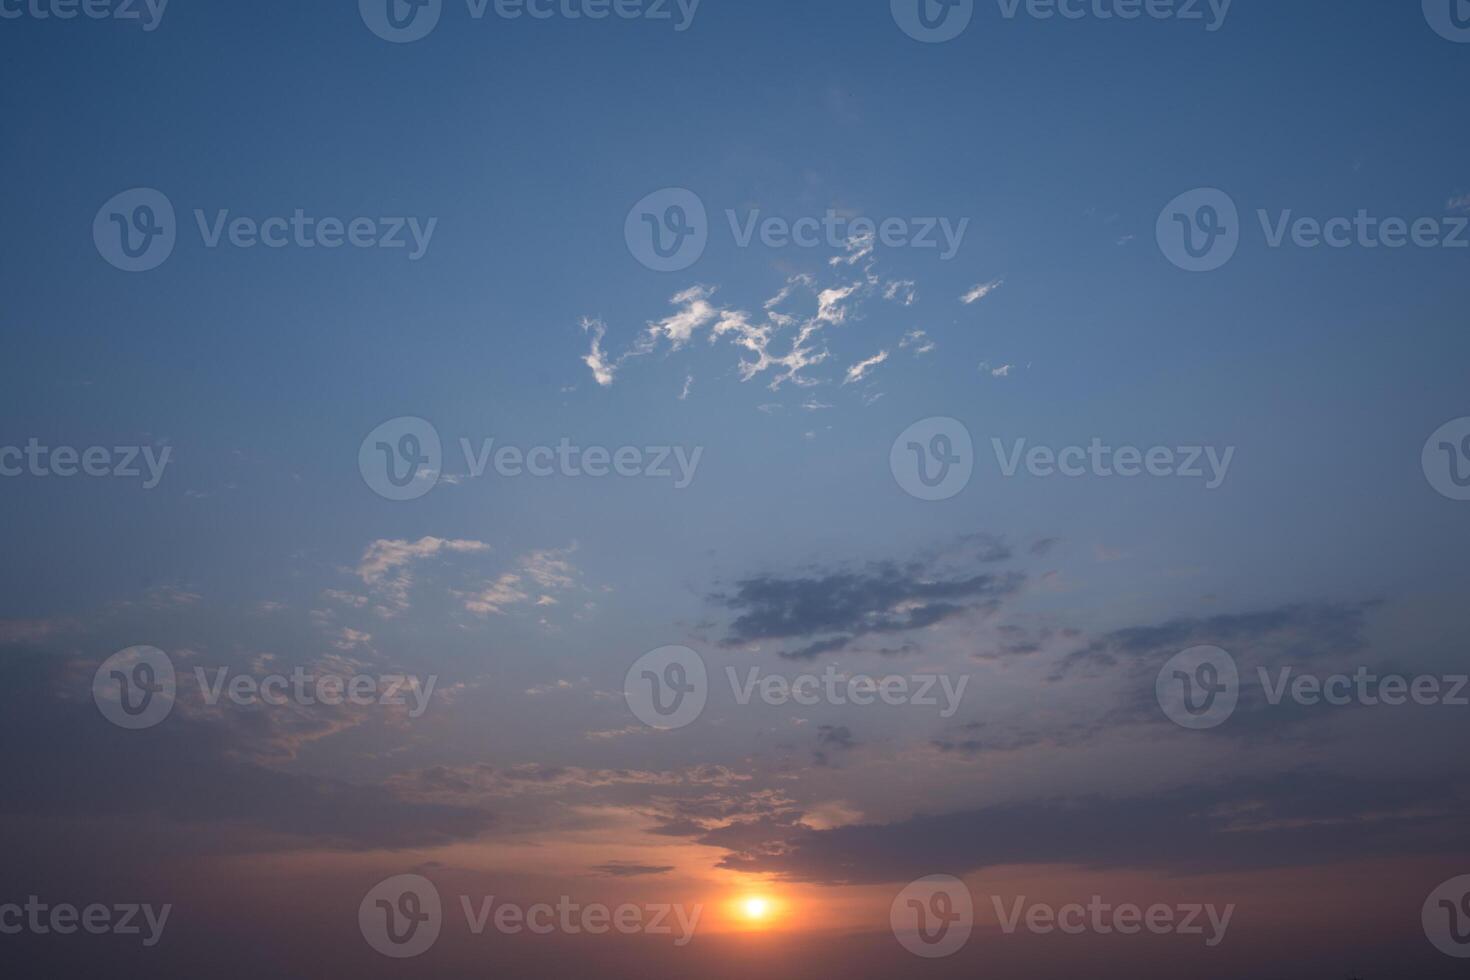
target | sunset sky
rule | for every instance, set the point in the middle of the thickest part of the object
(770, 387)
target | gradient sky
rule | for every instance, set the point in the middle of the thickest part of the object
(1060, 142)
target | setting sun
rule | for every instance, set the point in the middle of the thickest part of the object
(756, 908)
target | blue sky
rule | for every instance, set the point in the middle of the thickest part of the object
(529, 141)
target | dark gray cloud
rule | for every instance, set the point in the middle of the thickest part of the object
(1298, 633)
(832, 738)
(1288, 820)
(831, 609)
(620, 870)
(837, 736)
(188, 774)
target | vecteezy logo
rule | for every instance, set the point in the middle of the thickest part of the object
(1199, 230)
(933, 459)
(933, 916)
(667, 688)
(401, 21)
(401, 916)
(1446, 917)
(401, 459)
(135, 688)
(933, 21)
(1446, 459)
(1449, 18)
(668, 230)
(1199, 688)
(135, 231)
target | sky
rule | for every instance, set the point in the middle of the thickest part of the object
(828, 328)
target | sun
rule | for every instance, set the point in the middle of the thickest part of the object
(756, 908)
(755, 911)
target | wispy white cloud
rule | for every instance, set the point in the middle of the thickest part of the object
(602, 369)
(1004, 371)
(903, 291)
(496, 595)
(386, 566)
(862, 369)
(859, 247)
(695, 311)
(981, 291)
(782, 343)
(549, 570)
(918, 341)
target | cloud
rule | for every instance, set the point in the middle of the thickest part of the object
(695, 312)
(832, 738)
(1299, 632)
(482, 783)
(830, 308)
(496, 595)
(385, 566)
(981, 291)
(1293, 819)
(861, 369)
(615, 869)
(902, 291)
(1004, 371)
(77, 767)
(548, 569)
(603, 370)
(779, 341)
(831, 609)
(918, 340)
(859, 247)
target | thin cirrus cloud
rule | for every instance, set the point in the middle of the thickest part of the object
(862, 369)
(981, 291)
(387, 569)
(783, 344)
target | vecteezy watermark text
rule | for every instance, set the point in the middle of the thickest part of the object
(836, 230)
(147, 13)
(840, 688)
(41, 461)
(1105, 919)
(934, 459)
(668, 688)
(406, 21)
(309, 688)
(137, 230)
(402, 459)
(402, 917)
(1201, 230)
(937, 21)
(63, 919)
(136, 688)
(1200, 688)
(669, 230)
(1097, 459)
(934, 916)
